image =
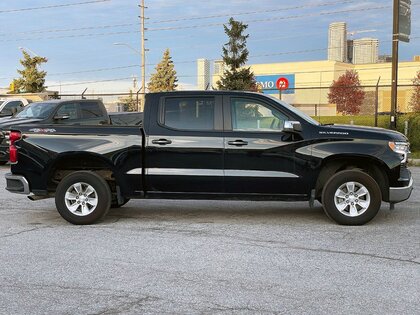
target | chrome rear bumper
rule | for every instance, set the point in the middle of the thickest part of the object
(17, 184)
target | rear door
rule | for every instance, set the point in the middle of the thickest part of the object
(259, 157)
(185, 145)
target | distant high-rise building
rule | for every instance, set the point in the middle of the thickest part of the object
(365, 50)
(203, 74)
(337, 42)
(219, 67)
(384, 58)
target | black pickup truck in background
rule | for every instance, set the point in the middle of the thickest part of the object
(64, 112)
(211, 145)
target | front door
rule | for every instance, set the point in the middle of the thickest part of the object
(185, 146)
(259, 156)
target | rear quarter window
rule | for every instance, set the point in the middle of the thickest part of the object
(90, 110)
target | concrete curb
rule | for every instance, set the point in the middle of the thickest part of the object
(414, 162)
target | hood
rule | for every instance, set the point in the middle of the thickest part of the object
(6, 123)
(362, 132)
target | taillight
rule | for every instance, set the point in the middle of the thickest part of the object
(13, 152)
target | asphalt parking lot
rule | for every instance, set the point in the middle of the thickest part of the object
(188, 257)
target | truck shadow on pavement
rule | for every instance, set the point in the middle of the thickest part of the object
(229, 212)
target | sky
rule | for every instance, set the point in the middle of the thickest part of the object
(78, 39)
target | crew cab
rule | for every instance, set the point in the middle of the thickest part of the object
(211, 145)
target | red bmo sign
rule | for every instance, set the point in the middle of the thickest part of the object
(282, 84)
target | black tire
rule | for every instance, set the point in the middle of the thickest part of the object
(362, 214)
(102, 197)
(115, 204)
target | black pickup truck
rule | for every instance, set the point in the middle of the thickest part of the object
(64, 112)
(211, 145)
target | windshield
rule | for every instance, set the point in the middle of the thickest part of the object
(296, 111)
(37, 110)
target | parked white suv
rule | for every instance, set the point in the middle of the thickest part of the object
(11, 106)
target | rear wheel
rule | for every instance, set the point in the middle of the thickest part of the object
(351, 197)
(83, 197)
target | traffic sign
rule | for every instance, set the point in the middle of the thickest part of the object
(282, 84)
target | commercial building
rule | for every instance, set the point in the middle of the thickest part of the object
(309, 83)
(337, 42)
(365, 50)
(203, 74)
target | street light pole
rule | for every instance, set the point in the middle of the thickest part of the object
(143, 58)
(395, 42)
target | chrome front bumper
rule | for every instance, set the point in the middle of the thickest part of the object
(398, 194)
(17, 184)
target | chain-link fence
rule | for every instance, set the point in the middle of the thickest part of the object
(374, 108)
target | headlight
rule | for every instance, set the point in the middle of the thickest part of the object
(402, 148)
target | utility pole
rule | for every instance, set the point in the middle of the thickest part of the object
(143, 58)
(395, 42)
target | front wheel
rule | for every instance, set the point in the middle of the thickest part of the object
(351, 197)
(83, 197)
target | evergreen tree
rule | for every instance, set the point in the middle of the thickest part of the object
(165, 77)
(32, 80)
(347, 94)
(235, 55)
(130, 104)
(415, 98)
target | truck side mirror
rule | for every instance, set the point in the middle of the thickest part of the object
(292, 126)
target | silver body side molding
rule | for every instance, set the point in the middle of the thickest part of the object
(211, 172)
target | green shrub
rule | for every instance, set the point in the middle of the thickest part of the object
(413, 129)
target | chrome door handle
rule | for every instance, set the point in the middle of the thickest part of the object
(162, 141)
(238, 143)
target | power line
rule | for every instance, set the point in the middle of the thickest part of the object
(315, 5)
(190, 76)
(53, 6)
(89, 82)
(179, 27)
(70, 29)
(273, 19)
(178, 20)
(194, 61)
(94, 70)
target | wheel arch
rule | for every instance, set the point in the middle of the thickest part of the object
(376, 168)
(65, 164)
